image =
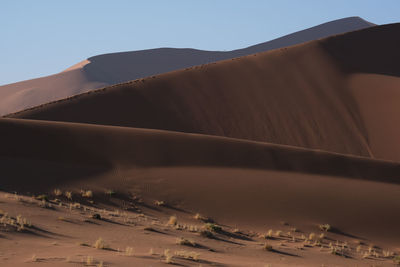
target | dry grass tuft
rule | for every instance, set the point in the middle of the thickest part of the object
(206, 233)
(129, 251)
(267, 247)
(325, 227)
(89, 260)
(188, 255)
(185, 242)
(68, 195)
(42, 197)
(278, 233)
(57, 192)
(151, 252)
(172, 221)
(270, 233)
(159, 203)
(87, 193)
(213, 227)
(99, 244)
(168, 256)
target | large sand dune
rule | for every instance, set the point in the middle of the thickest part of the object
(270, 147)
(109, 69)
(300, 96)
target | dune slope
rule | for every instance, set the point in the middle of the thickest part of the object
(109, 69)
(261, 181)
(300, 96)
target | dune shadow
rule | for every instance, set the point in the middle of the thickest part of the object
(337, 231)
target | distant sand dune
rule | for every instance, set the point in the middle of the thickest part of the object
(108, 69)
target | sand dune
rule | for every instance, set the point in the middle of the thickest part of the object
(122, 147)
(109, 69)
(249, 185)
(299, 96)
(268, 147)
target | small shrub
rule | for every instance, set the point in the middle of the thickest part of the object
(99, 244)
(189, 255)
(213, 227)
(89, 260)
(278, 233)
(397, 260)
(270, 233)
(172, 220)
(57, 192)
(206, 233)
(151, 252)
(168, 256)
(267, 247)
(185, 242)
(129, 251)
(42, 197)
(68, 195)
(87, 193)
(325, 227)
(311, 236)
(159, 203)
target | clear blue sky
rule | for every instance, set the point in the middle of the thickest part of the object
(43, 37)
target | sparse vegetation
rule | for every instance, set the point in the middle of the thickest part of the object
(42, 197)
(172, 220)
(311, 236)
(213, 227)
(270, 233)
(206, 233)
(159, 203)
(185, 242)
(89, 260)
(188, 255)
(325, 227)
(19, 223)
(278, 233)
(397, 260)
(151, 252)
(68, 195)
(168, 256)
(267, 247)
(57, 192)
(87, 193)
(129, 251)
(99, 244)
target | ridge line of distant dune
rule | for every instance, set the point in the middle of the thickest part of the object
(179, 70)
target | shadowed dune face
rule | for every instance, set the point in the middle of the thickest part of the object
(246, 183)
(126, 148)
(299, 96)
(109, 69)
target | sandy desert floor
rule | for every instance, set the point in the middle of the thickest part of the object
(154, 223)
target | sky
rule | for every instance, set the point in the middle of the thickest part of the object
(43, 37)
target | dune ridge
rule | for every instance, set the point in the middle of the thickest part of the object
(108, 69)
(298, 96)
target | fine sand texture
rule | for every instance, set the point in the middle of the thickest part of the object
(108, 69)
(281, 158)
